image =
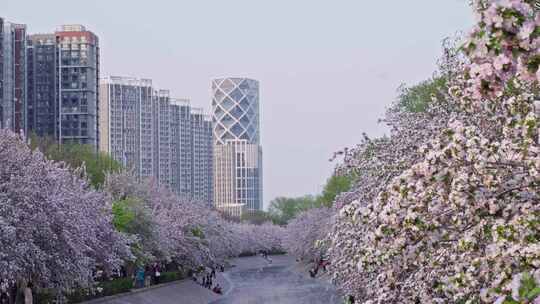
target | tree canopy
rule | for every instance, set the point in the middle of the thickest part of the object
(97, 164)
(445, 208)
(55, 229)
(284, 209)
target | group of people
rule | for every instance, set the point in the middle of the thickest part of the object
(208, 277)
(149, 275)
(321, 264)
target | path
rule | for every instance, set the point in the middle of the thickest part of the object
(252, 281)
(255, 281)
(183, 292)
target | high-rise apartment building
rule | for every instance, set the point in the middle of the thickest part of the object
(162, 137)
(181, 150)
(157, 136)
(237, 150)
(42, 101)
(78, 74)
(13, 76)
(63, 85)
(202, 156)
(126, 122)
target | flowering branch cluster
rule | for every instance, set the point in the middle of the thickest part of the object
(504, 45)
(54, 228)
(306, 232)
(446, 209)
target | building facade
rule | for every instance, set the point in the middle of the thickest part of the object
(42, 102)
(126, 122)
(157, 136)
(162, 137)
(13, 84)
(63, 85)
(181, 164)
(78, 75)
(202, 156)
(237, 149)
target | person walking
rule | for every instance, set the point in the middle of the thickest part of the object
(194, 276)
(148, 274)
(209, 282)
(139, 278)
(157, 273)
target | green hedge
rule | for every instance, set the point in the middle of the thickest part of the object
(110, 288)
(171, 276)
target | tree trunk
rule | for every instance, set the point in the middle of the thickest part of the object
(28, 298)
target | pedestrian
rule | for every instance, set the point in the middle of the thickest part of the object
(123, 271)
(217, 289)
(193, 276)
(148, 274)
(157, 273)
(139, 278)
(204, 281)
(213, 274)
(209, 281)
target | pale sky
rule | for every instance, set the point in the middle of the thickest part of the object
(327, 69)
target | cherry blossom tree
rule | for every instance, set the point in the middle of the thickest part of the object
(54, 228)
(189, 232)
(253, 238)
(168, 233)
(305, 234)
(449, 213)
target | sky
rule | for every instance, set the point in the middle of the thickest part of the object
(327, 68)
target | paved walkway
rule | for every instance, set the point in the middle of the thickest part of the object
(182, 292)
(255, 281)
(252, 280)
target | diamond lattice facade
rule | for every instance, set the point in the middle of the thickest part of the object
(237, 150)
